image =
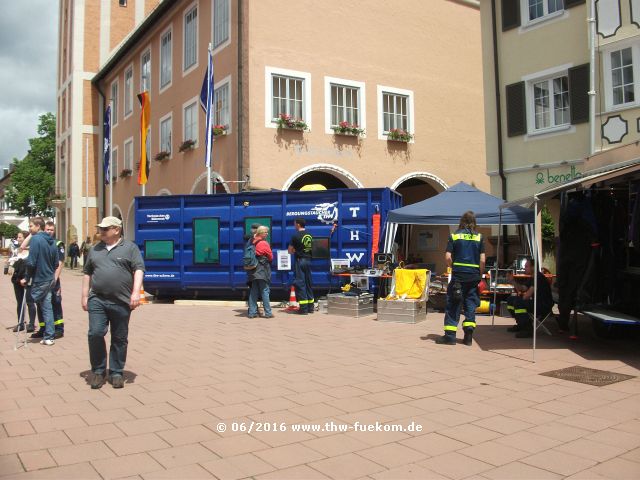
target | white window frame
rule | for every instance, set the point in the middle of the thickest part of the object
(362, 101)
(146, 50)
(129, 164)
(115, 111)
(161, 89)
(195, 101)
(226, 42)
(129, 91)
(524, 14)
(382, 89)
(195, 5)
(168, 116)
(115, 172)
(530, 80)
(605, 60)
(306, 94)
(225, 81)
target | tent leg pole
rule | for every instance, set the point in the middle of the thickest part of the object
(535, 276)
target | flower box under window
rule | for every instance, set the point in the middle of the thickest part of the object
(399, 135)
(288, 122)
(346, 128)
(162, 156)
(220, 130)
(125, 172)
(186, 146)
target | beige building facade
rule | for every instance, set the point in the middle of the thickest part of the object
(378, 68)
(554, 94)
(89, 31)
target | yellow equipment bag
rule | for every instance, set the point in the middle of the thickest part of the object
(409, 283)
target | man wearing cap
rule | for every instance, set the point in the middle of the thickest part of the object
(111, 288)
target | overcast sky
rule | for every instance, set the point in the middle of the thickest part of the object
(28, 57)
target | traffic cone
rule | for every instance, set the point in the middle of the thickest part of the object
(143, 298)
(293, 303)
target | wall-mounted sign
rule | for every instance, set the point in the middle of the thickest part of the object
(547, 177)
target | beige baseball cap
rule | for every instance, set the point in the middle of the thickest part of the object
(110, 222)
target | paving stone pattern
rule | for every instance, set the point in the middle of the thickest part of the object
(484, 411)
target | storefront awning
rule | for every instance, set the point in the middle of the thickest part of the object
(603, 174)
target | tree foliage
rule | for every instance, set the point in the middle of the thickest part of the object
(34, 175)
(548, 229)
(8, 230)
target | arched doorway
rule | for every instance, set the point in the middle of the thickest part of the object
(421, 244)
(199, 186)
(327, 175)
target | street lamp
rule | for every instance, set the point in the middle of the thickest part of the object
(32, 205)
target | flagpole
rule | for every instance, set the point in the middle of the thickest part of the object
(86, 186)
(110, 157)
(208, 124)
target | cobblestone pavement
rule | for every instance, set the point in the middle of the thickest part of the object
(317, 396)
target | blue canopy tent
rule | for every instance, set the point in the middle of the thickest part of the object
(447, 207)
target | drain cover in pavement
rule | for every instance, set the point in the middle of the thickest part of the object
(590, 376)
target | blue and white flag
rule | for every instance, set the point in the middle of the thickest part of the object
(206, 102)
(107, 144)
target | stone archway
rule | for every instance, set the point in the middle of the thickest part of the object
(333, 175)
(199, 186)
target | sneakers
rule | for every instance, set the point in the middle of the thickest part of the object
(446, 340)
(97, 381)
(117, 381)
(468, 337)
(47, 342)
(38, 334)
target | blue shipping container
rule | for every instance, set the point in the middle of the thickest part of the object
(193, 244)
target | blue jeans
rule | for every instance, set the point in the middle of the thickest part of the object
(470, 301)
(103, 313)
(41, 294)
(259, 288)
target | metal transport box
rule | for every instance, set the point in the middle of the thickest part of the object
(404, 311)
(350, 306)
(193, 244)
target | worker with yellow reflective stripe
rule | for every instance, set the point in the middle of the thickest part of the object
(465, 256)
(521, 305)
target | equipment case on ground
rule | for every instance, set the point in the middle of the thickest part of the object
(350, 306)
(404, 311)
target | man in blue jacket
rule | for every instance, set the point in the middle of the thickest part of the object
(41, 266)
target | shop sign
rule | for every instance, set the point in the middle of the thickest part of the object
(549, 178)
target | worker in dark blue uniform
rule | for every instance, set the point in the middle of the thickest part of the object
(300, 244)
(465, 256)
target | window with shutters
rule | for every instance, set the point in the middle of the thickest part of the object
(549, 101)
(621, 76)
(190, 40)
(534, 11)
